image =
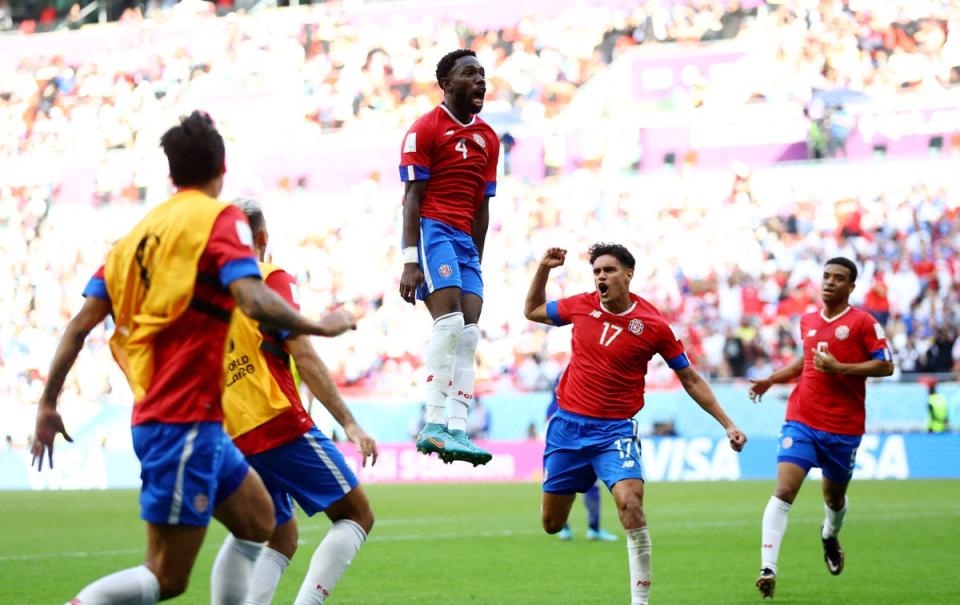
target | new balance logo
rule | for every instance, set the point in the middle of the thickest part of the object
(448, 133)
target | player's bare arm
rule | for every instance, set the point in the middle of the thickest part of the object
(700, 391)
(317, 377)
(481, 221)
(785, 374)
(412, 275)
(824, 362)
(49, 422)
(259, 302)
(535, 308)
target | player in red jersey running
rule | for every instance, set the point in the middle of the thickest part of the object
(170, 285)
(593, 435)
(842, 346)
(448, 164)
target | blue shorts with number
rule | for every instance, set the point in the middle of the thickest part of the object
(807, 447)
(581, 449)
(310, 469)
(186, 470)
(449, 258)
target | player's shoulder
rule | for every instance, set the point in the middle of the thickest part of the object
(643, 308)
(811, 317)
(583, 300)
(427, 120)
(481, 125)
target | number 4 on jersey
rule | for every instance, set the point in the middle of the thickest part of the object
(461, 146)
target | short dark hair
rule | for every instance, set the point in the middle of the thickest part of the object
(446, 63)
(253, 211)
(615, 250)
(844, 262)
(194, 150)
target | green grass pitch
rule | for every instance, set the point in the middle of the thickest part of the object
(482, 543)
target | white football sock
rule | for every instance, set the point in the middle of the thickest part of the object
(266, 575)
(639, 553)
(774, 526)
(232, 569)
(438, 362)
(134, 586)
(329, 561)
(833, 521)
(461, 391)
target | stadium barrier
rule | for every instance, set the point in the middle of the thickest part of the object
(881, 456)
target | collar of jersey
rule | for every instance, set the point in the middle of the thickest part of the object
(629, 309)
(833, 319)
(454, 118)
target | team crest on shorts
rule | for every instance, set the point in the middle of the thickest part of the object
(786, 443)
(445, 271)
(201, 502)
(635, 326)
(842, 333)
(479, 140)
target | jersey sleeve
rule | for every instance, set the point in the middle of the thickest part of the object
(416, 153)
(97, 286)
(560, 311)
(670, 348)
(231, 247)
(874, 339)
(490, 175)
(286, 286)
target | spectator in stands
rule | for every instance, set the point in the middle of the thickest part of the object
(937, 421)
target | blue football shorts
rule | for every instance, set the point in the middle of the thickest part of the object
(449, 259)
(186, 470)
(310, 469)
(581, 449)
(807, 447)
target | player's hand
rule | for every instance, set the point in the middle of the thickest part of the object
(364, 443)
(824, 362)
(49, 423)
(758, 388)
(410, 280)
(738, 438)
(338, 322)
(553, 258)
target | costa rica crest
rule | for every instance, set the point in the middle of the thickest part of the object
(842, 332)
(445, 271)
(635, 326)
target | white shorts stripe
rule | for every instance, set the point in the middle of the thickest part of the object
(322, 454)
(426, 269)
(177, 503)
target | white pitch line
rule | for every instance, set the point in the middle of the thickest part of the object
(496, 533)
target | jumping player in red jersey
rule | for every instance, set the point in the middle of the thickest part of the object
(448, 163)
(842, 346)
(171, 292)
(593, 435)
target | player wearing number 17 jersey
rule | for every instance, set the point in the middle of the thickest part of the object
(615, 335)
(448, 163)
(842, 346)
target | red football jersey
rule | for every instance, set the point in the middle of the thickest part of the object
(295, 421)
(834, 402)
(459, 160)
(610, 352)
(187, 382)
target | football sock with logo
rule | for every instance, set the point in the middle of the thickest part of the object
(134, 586)
(461, 392)
(833, 521)
(438, 362)
(230, 576)
(639, 551)
(774, 526)
(329, 561)
(266, 575)
(592, 501)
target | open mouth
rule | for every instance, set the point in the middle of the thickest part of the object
(603, 288)
(478, 94)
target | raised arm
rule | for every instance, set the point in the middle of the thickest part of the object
(317, 377)
(412, 275)
(699, 389)
(49, 422)
(535, 308)
(785, 374)
(259, 302)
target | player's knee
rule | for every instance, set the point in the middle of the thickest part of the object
(631, 512)
(365, 519)
(787, 493)
(172, 584)
(258, 525)
(552, 524)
